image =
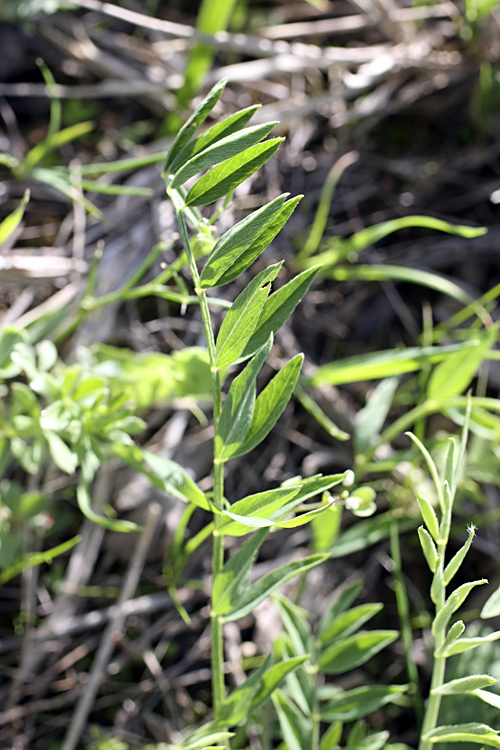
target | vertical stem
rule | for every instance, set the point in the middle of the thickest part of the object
(217, 643)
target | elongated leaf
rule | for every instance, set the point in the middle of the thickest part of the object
(261, 589)
(236, 240)
(370, 531)
(370, 419)
(331, 738)
(85, 505)
(428, 548)
(296, 625)
(359, 702)
(228, 175)
(492, 606)
(193, 123)
(241, 319)
(204, 739)
(297, 731)
(456, 561)
(384, 364)
(464, 685)
(479, 734)
(270, 404)
(273, 678)
(175, 480)
(10, 224)
(492, 699)
(238, 409)
(354, 650)
(452, 635)
(62, 455)
(312, 486)
(466, 644)
(453, 602)
(32, 559)
(342, 601)
(278, 308)
(220, 130)
(224, 149)
(454, 375)
(259, 506)
(429, 516)
(349, 622)
(237, 705)
(230, 584)
(252, 252)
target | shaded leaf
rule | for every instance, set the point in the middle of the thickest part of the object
(354, 650)
(492, 606)
(348, 622)
(175, 480)
(370, 419)
(273, 678)
(295, 728)
(359, 702)
(230, 583)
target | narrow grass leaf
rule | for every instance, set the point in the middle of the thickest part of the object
(428, 548)
(204, 739)
(273, 678)
(429, 516)
(92, 186)
(452, 635)
(349, 622)
(453, 602)
(230, 583)
(220, 130)
(261, 589)
(294, 726)
(10, 224)
(238, 409)
(456, 561)
(193, 123)
(270, 404)
(235, 241)
(31, 560)
(252, 252)
(359, 702)
(454, 375)
(245, 514)
(61, 183)
(383, 364)
(85, 504)
(227, 148)
(368, 532)
(466, 644)
(492, 606)
(175, 480)
(370, 419)
(464, 685)
(231, 173)
(351, 652)
(479, 734)
(278, 308)
(241, 319)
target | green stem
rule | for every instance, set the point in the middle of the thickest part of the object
(217, 643)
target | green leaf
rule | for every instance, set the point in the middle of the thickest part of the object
(331, 738)
(297, 731)
(204, 739)
(175, 480)
(479, 734)
(454, 375)
(240, 321)
(227, 148)
(259, 506)
(325, 529)
(456, 561)
(343, 599)
(9, 337)
(278, 308)
(228, 175)
(237, 705)
(85, 505)
(10, 224)
(261, 589)
(270, 404)
(230, 583)
(63, 457)
(466, 644)
(492, 699)
(351, 652)
(33, 559)
(492, 606)
(368, 532)
(428, 548)
(384, 364)
(296, 625)
(238, 409)
(252, 252)
(359, 702)
(348, 622)
(370, 419)
(193, 123)
(220, 130)
(273, 678)
(236, 240)
(429, 516)
(453, 602)
(452, 635)
(464, 685)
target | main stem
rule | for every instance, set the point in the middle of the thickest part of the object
(217, 643)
